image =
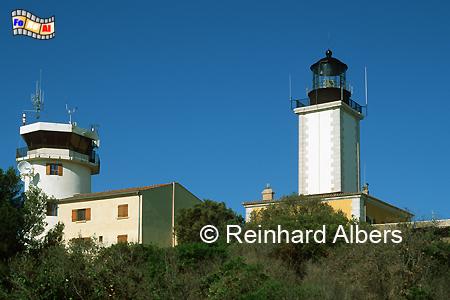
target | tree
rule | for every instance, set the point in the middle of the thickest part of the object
(190, 221)
(10, 186)
(23, 216)
(10, 221)
(34, 212)
(299, 213)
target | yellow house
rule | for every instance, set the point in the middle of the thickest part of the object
(144, 215)
(361, 206)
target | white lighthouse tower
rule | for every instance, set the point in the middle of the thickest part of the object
(329, 149)
(329, 141)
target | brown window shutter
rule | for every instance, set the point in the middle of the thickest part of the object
(74, 215)
(88, 214)
(48, 169)
(123, 238)
(60, 170)
(122, 211)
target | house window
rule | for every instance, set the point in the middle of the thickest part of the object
(54, 169)
(81, 239)
(100, 239)
(52, 209)
(83, 214)
(122, 211)
(123, 238)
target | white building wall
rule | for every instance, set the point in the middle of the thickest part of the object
(76, 178)
(104, 220)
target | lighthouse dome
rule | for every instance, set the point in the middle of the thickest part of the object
(329, 66)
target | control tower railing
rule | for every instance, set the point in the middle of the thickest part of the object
(93, 159)
(23, 152)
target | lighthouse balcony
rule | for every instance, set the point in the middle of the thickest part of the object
(92, 160)
(297, 103)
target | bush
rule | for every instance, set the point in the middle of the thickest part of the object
(417, 268)
(385, 271)
(237, 280)
(190, 221)
(296, 212)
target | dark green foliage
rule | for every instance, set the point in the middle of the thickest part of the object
(190, 221)
(295, 212)
(235, 280)
(11, 217)
(33, 215)
(22, 217)
(10, 187)
(129, 271)
(190, 255)
(54, 236)
(417, 268)
(384, 271)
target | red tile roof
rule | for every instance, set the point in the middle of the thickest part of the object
(331, 195)
(107, 194)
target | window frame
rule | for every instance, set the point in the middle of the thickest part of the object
(77, 213)
(54, 169)
(120, 211)
(122, 238)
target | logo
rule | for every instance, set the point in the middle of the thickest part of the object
(350, 234)
(25, 23)
(209, 234)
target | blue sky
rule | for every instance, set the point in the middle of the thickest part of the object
(197, 91)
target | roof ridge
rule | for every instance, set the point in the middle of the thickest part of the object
(117, 191)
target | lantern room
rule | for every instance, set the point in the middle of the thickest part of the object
(329, 81)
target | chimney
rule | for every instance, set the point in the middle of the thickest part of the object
(267, 193)
(365, 189)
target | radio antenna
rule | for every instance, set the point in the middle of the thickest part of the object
(70, 111)
(290, 87)
(37, 99)
(364, 176)
(366, 91)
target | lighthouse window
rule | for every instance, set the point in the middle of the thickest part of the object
(54, 169)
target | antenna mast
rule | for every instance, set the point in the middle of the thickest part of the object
(70, 111)
(366, 91)
(38, 98)
(290, 87)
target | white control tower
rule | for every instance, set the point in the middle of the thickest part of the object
(59, 158)
(62, 158)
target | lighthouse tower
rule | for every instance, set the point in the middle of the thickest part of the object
(329, 148)
(61, 158)
(329, 141)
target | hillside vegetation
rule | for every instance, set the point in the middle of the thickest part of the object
(45, 268)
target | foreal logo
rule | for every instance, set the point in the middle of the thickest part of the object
(25, 23)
